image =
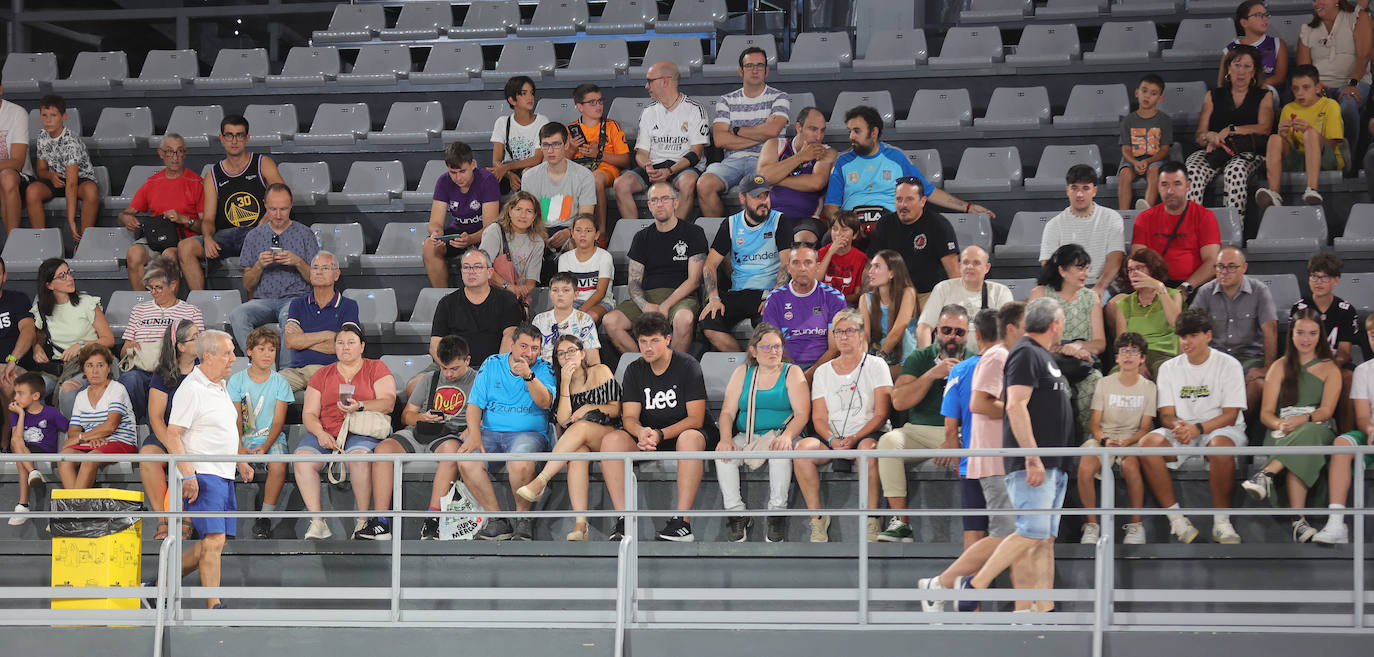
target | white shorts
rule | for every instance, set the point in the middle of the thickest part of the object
(1235, 433)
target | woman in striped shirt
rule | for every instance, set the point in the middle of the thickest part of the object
(102, 420)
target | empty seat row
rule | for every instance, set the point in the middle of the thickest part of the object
(1012, 11)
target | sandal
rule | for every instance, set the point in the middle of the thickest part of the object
(161, 530)
(187, 529)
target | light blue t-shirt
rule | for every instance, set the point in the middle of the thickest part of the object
(857, 181)
(955, 404)
(260, 399)
(505, 401)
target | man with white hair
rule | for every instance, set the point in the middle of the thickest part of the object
(970, 289)
(313, 319)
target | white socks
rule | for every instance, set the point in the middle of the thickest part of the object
(1221, 518)
(1336, 519)
(1174, 516)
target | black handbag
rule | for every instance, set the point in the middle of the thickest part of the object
(160, 233)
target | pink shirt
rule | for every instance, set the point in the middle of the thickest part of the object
(986, 432)
(328, 380)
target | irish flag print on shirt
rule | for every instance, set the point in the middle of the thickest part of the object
(559, 207)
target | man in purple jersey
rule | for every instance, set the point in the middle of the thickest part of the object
(803, 309)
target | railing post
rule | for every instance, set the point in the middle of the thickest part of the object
(1359, 520)
(1104, 554)
(862, 464)
(173, 600)
(396, 473)
(632, 535)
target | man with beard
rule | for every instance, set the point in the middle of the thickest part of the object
(924, 238)
(757, 240)
(919, 391)
(1183, 232)
(799, 168)
(803, 309)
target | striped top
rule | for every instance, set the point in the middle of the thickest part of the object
(738, 110)
(603, 394)
(115, 400)
(149, 321)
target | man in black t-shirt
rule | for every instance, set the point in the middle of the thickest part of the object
(1340, 323)
(1038, 414)
(17, 334)
(665, 272)
(923, 237)
(483, 315)
(662, 406)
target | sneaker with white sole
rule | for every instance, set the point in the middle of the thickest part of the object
(1312, 197)
(1332, 535)
(430, 530)
(1224, 533)
(496, 529)
(15, 521)
(374, 530)
(1091, 532)
(1182, 529)
(1142, 205)
(1259, 486)
(677, 530)
(931, 584)
(777, 530)
(896, 532)
(965, 583)
(319, 530)
(1303, 532)
(36, 479)
(1135, 533)
(737, 528)
(1265, 197)
(820, 529)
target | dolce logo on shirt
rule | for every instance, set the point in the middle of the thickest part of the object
(661, 400)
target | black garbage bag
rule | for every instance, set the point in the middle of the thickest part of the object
(92, 527)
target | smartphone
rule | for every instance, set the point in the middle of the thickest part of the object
(346, 394)
(576, 131)
(450, 236)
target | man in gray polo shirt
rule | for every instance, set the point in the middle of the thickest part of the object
(1244, 320)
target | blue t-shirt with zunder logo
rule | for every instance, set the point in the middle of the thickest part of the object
(505, 401)
(753, 250)
(857, 181)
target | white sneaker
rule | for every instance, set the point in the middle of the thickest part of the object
(1183, 530)
(1142, 204)
(1135, 534)
(1266, 197)
(319, 530)
(15, 521)
(1223, 532)
(1091, 533)
(1311, 196)
(931, 584)
(36, 479)
(1332, 535)
(875, 525)
(820, 529)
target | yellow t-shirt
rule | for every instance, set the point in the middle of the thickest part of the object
(1325, 115)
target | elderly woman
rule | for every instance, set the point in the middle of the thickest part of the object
(176, 359)
(1233, 129)
(148, 322)
(1064, 278)
(515, 245)
(767, 404)
(851, 397)
(1337, 42)
(1150, 309)
(101, 420)
(337, 391)
(67, 321)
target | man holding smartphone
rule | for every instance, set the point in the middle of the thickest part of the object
(466, 200)
(276, 259)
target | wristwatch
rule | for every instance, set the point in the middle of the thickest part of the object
(528, 378)
(734, 130)
(1186, 287)
(1354, 82)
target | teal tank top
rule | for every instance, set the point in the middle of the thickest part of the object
(772, 408)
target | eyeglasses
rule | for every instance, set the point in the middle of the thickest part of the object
(909, 180)
(157, 288)
(592, 101)
(768, 347)
(1127, 352)
(847, 332)
(649, 81)
(323, 267)
(474, 268)
(234, 136)
(660, 199)
(172, 152)
(1138, 270)
(755, 66)
(1320, 278)
(568, 352)
(1227, 268)
(550, 146)
(63, 274)
(950, 330)
(1259, 14)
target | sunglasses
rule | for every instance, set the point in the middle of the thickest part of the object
(950, 330)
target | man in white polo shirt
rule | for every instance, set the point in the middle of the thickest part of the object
(203, 422)
(1085, 223)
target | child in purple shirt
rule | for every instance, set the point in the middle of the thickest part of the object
(37, 428)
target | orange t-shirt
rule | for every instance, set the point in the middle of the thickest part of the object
(615, 145)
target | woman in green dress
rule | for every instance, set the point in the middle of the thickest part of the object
(1300, 394)
(1150, 309)
(1064, 278)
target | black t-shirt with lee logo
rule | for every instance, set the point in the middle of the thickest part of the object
(1029, 364)
(663, 397)
(922, 244)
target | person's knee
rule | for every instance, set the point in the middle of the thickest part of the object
(1126, 176)
(615, 321)
(1153, 440)
(625, 184)
(1088, 466)
(389, 446)
(691, 440)
(686, 183)
(472, 469)
(710, 184)
(682, 321)
(9, 181)
(890, 440)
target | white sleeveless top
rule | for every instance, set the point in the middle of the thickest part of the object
(1333, 52)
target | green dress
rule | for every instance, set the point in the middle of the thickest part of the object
(1308, 467)
(1150, 322)
(1078, 325)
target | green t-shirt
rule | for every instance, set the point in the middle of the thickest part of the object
(927, 412)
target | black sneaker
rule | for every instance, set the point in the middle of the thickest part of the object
(677, 530)
(430, 530)
(524, 530)
(374, 530)
(496, 529)
(220, 605)
(737, 528)
(262, 528)
(619, 532)
(777, 530)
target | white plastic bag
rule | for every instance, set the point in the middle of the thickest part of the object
(464, 527)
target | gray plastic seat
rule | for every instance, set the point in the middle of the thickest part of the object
(1358, 289)
(122, 303)
(1020, 287)
(165, 70)
(423, 194)
(624, 17)
(532, 57)
(986, 169)
(137, 175)
(693, 16)
(271, 124)
(1056, 9)
(969, 47)
(992, 11)
(337, 124)
(28, 72)
(1016, 108)
(370, 183)
(474, 123)
(716, 369)
(623, 235)
(95, 71)
(1283, 289)
(1055, 162)
(100, 249)
(539, 301)
(122, 127)
(1094, 106)
(562, 110)
(1182, 101)
(1358, 239)
(894, 50)
(971, 229)
(1023, 236)
(352, 22)
(235, 68)
(488, 19)
(345, 241)
(399, 246)
(1133, 42)
(419, 20)
(450, 63)
(26, 248)
(1230, 225)
(382, 63)
(625, 110)
(726, 64)
(1288, 230)
(1288, 28)
(683, 51)
(197, 124)
(1201, 39)
(626, 359)
(405, 368)
(938, 110)
(309, 181)
(36, 125)
(555, 18)
(928, 161)
(880, 100)
(1046, 45)
(800, 101)
(1145, 7)
(376, 307)
(816, 53)
(410, 123)
(307, 67)
(595, 59)
(709, 225)
(421, 321)
(215, 305)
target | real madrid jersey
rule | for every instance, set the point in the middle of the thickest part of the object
(240, 195)
(754, 251)
(667, 134)
(858, 180)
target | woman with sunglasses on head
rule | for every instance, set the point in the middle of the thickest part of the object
(518, 235)
(176, 359)
(144, 334)
(1064, 278)
(587, 408)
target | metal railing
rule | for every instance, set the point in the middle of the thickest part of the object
(623, 603)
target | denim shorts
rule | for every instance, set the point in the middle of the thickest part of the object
(230, 240)
(1048, 495)
(732, 170)
(514, 442)
(354, 444)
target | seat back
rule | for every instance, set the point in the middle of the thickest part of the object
(983, 43)
(164, 64)
(716, 369)
(192, 121)
(1127, 37)
(430, 176)
(1027, 227)
(623, 236)
(626, 110)
(1098, 103)
(880, 100)
(562, 110)
(479, 114)
(402, 238)
(341, 119)
(382, 59)
(526, 55)
(415, 117)
(138, 174)
(122, 303)
(345, 241)
(610, 55)
(427, 301)
(562, 13)
(445, 57)
(1182, 101)
(1283, 289)
(26, 248)
(693, 11)
(928, 162)
(492, 13)
(28, 70)
(240, 62)
(215, 305)
(734, 44)
(405, 368)
(1048, 40)
(267, 120)
(424, 15)
(822, 48)
(1019, 103)
(1358, 289)
(971, 230)
(987, 169)
(312, 60)
(908, 44)
(685, 52)
(374, 304)
(309, 181)
(112, 65)
(1020, 287)
(1292, 221)
(124, 122)
(1203, 35)
(941, 107)
(380, 176)
(1056, 159)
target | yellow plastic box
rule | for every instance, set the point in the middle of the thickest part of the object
(114, 560)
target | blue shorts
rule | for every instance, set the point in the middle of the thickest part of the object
(255, 440)
(354, 444)
(152, 440)
(216, 494)
(514, 442)
(1048, 495)
(971, 497)
(230, 240)
(733, 169)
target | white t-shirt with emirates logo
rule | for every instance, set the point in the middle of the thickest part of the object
(668, 134)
